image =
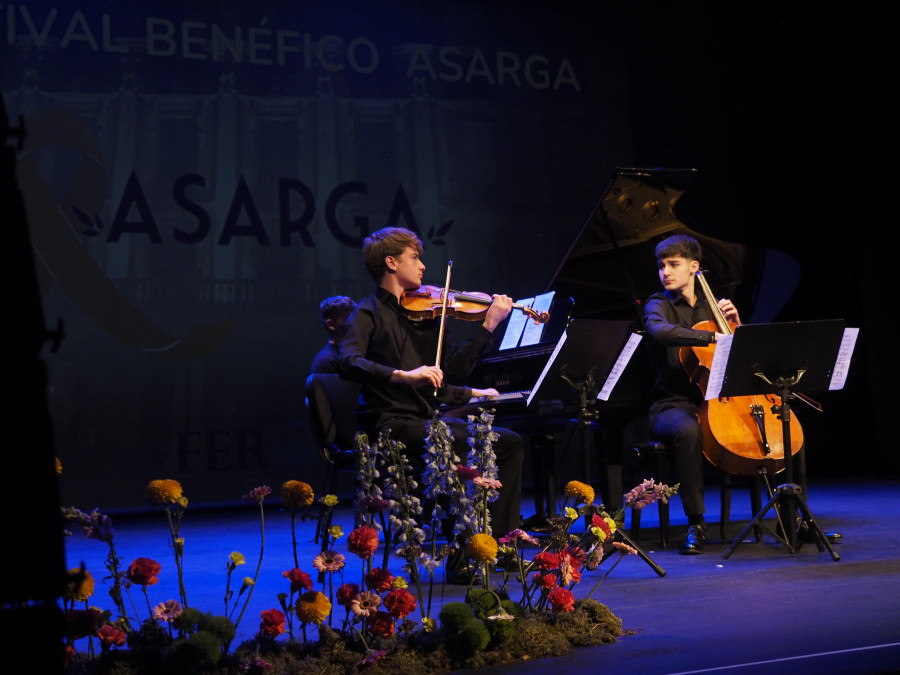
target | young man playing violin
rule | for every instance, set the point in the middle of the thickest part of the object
(669, 317)
(396, 360)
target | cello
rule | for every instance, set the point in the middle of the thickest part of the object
(741, 434)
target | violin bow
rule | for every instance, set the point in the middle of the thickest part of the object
(444, 300)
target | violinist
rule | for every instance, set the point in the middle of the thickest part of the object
(675, 400)
(394, 357)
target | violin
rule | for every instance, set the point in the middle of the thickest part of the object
(428, 302)
(738, 435)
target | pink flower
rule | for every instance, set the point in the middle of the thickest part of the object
(487, 483)
(257, 494)
(518, 534)
(365, 603)
(168, 610)
(328, 561)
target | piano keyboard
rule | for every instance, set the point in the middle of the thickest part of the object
(502, 398)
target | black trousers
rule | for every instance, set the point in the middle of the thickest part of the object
(509, 449)
(680, 430)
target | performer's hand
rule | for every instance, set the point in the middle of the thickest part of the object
(729, 311)
(499, 310)
(484, 393)
(432, 375)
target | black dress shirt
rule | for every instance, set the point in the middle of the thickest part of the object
(380, 340)
(668, 320)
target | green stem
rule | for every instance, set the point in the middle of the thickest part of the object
(262, 546)
(611, 568)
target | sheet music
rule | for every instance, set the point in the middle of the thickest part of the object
(619, 366)
(533, 331)
(515, 326)
(717, 368)
(537, 386)
(842, 364)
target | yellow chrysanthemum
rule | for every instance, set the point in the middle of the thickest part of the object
(336, 531)
(236, 558)
(164, 492)
(399, 582)
(580, 491)
(571, 513)
(80, 586)
(330, 500)
(313, 607)
(482, 548)
(296, 494)
(429, 624)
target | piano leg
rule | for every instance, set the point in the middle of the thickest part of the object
(544, 472)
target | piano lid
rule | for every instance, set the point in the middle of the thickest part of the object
(609, 269)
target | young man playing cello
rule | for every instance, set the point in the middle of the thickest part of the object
(394, 357)
(669, 317)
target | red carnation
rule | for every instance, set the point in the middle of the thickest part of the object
(467, 473)
(400, 602)
(143, 572)
(381, 624)
(379, 580)
(346, 593)
(547, 560)
(272, 623)
(363, 541)
(546, 580)
(562, 600)
(110, 636)
(299, 579)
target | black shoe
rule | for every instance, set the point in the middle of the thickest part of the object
(693, 541)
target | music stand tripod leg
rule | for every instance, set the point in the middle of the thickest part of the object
(757, 519)
(821, 537)
(619, 534)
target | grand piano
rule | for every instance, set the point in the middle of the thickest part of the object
(604, 277)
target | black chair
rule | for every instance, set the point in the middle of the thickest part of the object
(332, 403)
(651, 459)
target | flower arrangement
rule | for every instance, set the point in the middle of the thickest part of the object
(368, 616)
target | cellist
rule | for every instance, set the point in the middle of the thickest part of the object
(675, 400)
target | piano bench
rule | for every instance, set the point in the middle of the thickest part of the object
(643, 458)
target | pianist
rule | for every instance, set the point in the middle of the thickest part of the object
(390, 355)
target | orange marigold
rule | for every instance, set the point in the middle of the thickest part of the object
(482, 548)
(164, 492)
(79, 585)
(296, 494)
(580, 491)
(313, 607)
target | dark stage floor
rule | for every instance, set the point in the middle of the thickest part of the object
(762, 610)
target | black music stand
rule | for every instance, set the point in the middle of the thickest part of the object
(782, 358)
(588, 347)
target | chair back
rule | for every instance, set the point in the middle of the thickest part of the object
(332, 403)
